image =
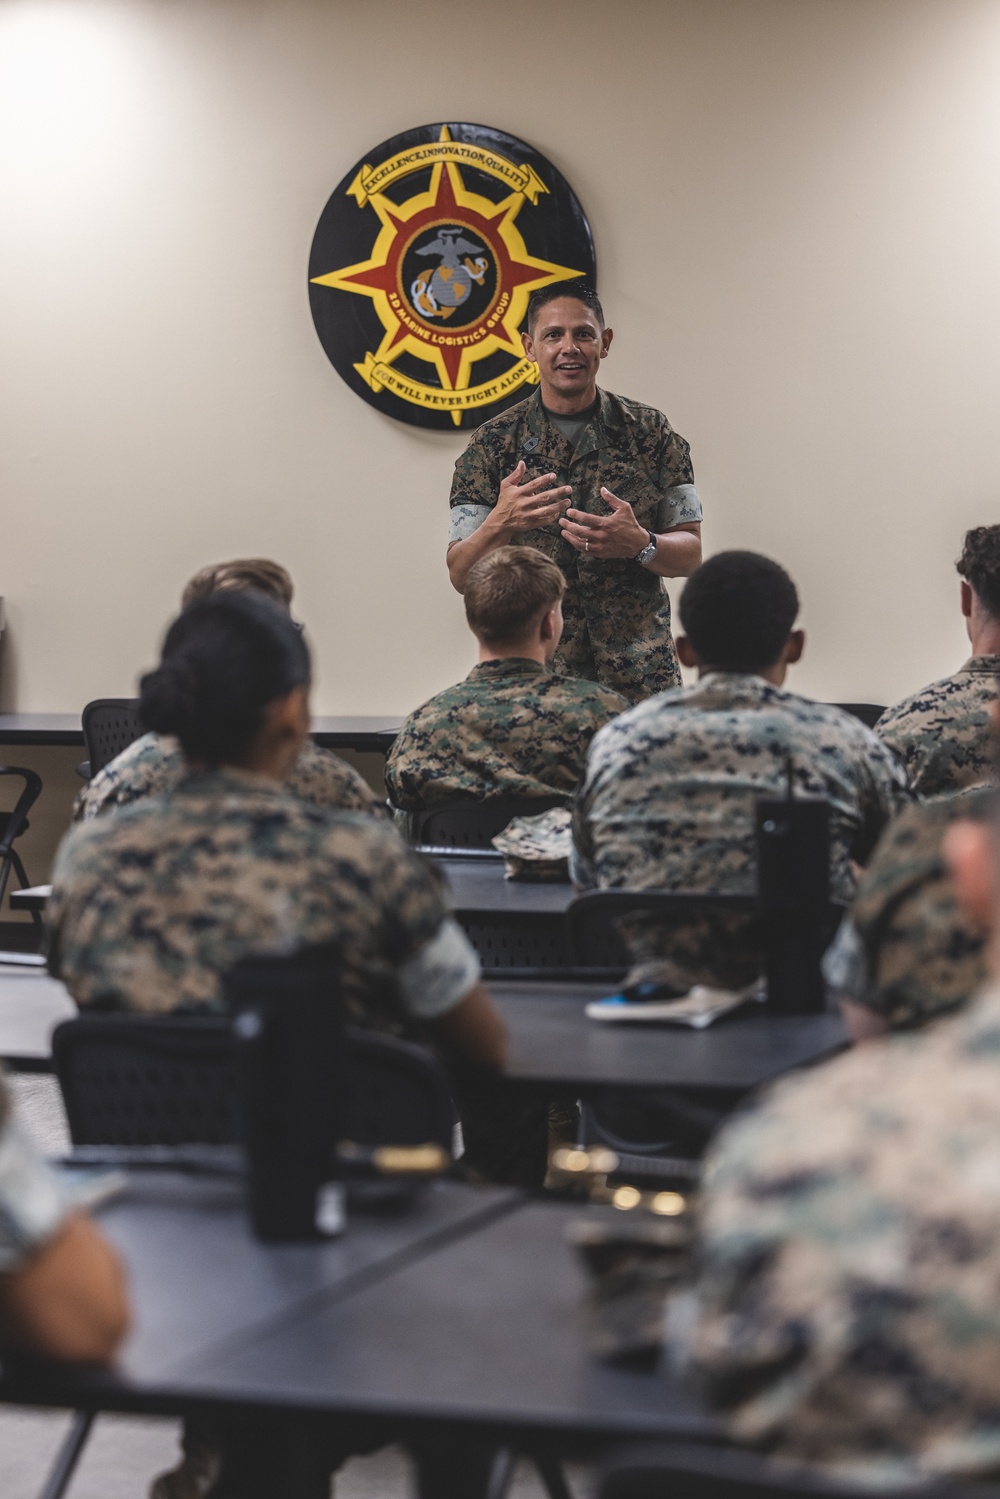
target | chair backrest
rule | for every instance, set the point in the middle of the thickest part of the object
(148, 1080)
(474, 824)
(591, 920)
(507, 943)
(110, 725)
(173, 1080)
(869, 713)
(685, 1471)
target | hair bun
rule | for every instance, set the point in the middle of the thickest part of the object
(167, 699)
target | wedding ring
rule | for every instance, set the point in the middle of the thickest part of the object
(586, 545)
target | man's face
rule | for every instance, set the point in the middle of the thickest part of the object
(567, 343)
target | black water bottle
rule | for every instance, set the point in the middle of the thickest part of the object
(289, 1034)
(793, 885)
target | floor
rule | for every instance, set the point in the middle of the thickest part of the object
(124, 1453)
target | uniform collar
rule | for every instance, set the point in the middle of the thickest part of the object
(608, 421)
(507, 666)
(983, 666)
(226, 780)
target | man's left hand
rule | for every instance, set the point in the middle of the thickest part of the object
(616, 535)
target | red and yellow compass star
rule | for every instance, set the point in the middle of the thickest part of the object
(452, 350)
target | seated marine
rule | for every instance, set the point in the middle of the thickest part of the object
(513, 728)
(942, 733)
(62, 1288)
(906, 952)
(150, 907)
(668, 801)
(154, 763)
(849, 1245)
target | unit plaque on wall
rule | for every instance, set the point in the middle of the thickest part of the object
(422, 265)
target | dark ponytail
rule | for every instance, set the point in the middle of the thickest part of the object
(224, 660)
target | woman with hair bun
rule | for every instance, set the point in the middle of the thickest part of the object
(151, 906)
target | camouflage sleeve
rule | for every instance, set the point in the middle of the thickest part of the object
(32, 1205)
(325, 780)
(679, 504)
(97, 796)
(581, 859)
(476, 482)
(414, 759)
(433, 959)
(884, 792)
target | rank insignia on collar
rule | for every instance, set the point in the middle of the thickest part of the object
(530, 444)
(422, 265)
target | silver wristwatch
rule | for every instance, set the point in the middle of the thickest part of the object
(648, 552)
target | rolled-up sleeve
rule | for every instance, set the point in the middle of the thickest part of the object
(441, 973)
(463, 520)
(32, 1204)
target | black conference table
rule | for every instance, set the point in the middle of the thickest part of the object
(554, 1045)
(336, 731)
(459, 1316)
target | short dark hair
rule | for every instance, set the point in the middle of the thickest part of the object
(508, 590)
(581, 291)
(979, 565)
(738, 610)
(224, 659)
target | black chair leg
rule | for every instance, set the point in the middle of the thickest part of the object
(68, 1456)
(552, 1476)
(22, 875)
(501, 1473)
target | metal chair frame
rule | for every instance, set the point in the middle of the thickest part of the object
(12, 825)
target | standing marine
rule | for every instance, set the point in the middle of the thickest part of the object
(601, 484)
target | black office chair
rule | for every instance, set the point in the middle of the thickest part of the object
(110, 725)
(685, 1471)
(12, 825)
(869, 713)
(172, 1080)
(469, 824)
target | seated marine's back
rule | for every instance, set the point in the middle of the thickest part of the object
(513, 728)
(669, 797)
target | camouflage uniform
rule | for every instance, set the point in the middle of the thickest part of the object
(617, 614)
(512, 729)
(149, 907)
(906, 950)
(850, 1258)
(32, 1203)
(668, 803)
(943, 734)
(154, 764)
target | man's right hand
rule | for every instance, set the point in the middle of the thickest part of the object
(519, 507)
(528, 507)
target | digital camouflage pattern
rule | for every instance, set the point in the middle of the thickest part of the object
(154, 764)
(617, 614)
(513, 728)
(907, 951)
(668, 803)
(943, 733)
(537, 848)
(849, 1249)
(149, 907)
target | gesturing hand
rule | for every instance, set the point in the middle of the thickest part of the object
(527, 507)
(616, 535)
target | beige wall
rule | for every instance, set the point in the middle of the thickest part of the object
(797, 221)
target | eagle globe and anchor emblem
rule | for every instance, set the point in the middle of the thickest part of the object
(461, 223)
